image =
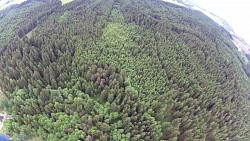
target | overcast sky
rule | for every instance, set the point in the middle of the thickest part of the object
(4, 5)
(235, 12)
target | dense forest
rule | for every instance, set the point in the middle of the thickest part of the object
(120, 70)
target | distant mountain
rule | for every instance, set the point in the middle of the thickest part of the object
(242, 45)
(213, 16)
(189, 4)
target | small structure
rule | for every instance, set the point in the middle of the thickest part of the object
(9, 117)
(4, 115)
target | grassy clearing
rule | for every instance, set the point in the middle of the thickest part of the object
(36, 139)
(64, 16)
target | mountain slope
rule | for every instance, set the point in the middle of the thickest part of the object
(125, 70)
(21, 19)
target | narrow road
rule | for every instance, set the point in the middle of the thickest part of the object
(1, 122)
(1, 125)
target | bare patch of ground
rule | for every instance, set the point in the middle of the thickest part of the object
(241, 46)
(66, 1)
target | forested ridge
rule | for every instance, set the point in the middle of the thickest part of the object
(121, 70)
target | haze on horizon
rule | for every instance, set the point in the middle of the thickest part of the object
(3, 4)
(235, 12)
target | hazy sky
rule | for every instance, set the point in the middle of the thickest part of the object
(235, 12)
(4, 5)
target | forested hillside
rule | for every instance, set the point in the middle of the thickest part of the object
(120, 70)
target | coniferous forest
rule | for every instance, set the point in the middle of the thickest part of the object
(120, 70)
